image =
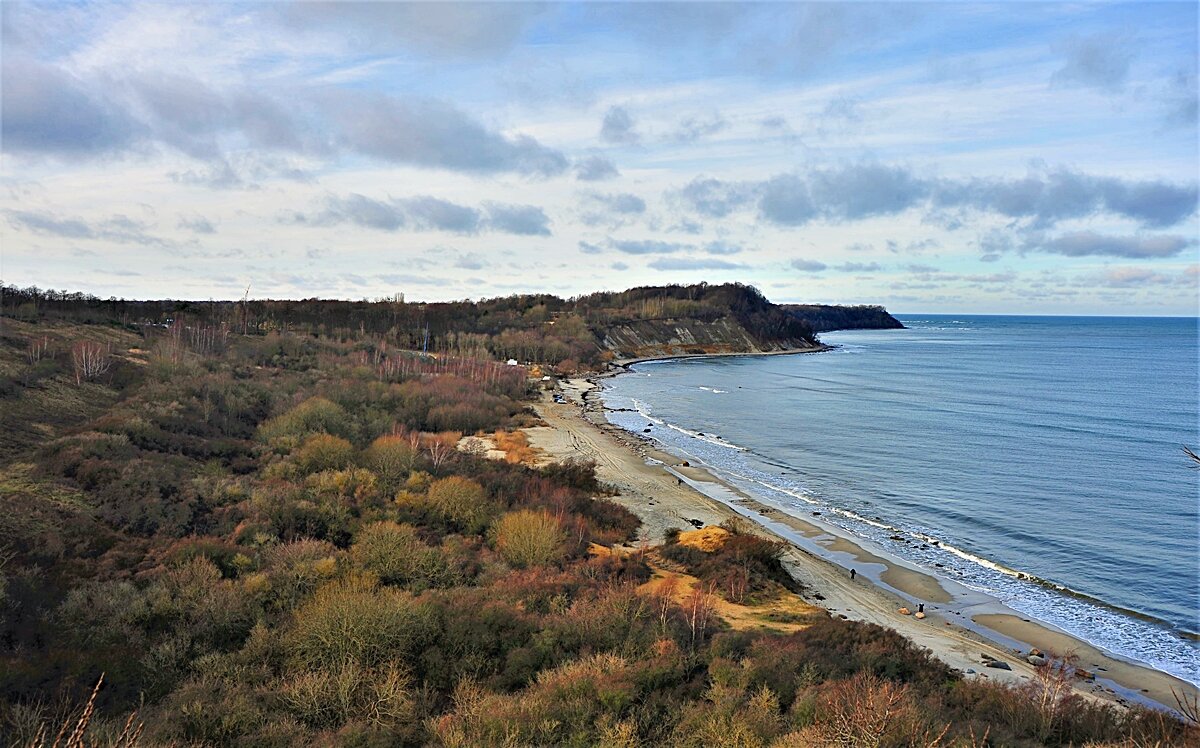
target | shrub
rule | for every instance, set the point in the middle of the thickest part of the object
(354, 487)
(462, 502)
(351, 621)
(315, 414)
(528, 538)
(323, 452)
(395, 554)
(391, 458)
(348, 691)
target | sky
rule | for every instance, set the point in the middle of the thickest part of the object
(1016, 158)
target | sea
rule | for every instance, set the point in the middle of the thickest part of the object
(1036, 459)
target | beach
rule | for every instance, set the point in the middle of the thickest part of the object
(962, 628)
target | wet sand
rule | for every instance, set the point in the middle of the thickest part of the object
(961, 626)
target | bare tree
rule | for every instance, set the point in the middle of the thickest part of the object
(37, 350)
(90, 360)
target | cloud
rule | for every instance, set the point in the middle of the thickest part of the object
(1098, 61)
(646, 247)
(693, 128)
(590, 249)
(198, 224)
(595, 169)
(722, 248)
(858, 267)
(623, 203)
(359, 210)
(427, 213)
(618, 127)
(619, 266)
(1131, 278)
(1182, 101)
(470, 261)
(523, 220)
(808, 266)
(714, 198)
(117, 228)
(1087, 243)
(437, 30)
(46, 111)
(434, 134)
(693, 263)
(856, 191)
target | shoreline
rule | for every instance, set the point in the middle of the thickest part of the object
(961, 625)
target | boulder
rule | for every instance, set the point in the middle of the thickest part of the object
(998, 664)
(904, 612)
(1035, 652)
(918, 614)
(1084, 674)
(1036, 660)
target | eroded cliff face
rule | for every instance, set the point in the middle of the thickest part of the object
(674, 337)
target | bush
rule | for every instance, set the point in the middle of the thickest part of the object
(311, 416)
(462, 502)
(351, 621)
(528, 538)
(395, 554)
(348, 691)
(323, 452)
(391, 458)
(354, 487)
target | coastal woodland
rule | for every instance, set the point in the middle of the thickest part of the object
(263, 523)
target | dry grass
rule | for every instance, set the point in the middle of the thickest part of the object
(785, 614)
(707, 539)
(73, 733)
(516, 448)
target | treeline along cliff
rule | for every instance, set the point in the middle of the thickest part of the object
(583, 331)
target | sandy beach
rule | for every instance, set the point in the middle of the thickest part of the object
(962, 628)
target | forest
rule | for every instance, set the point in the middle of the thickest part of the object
(255, 525)
(539, 328)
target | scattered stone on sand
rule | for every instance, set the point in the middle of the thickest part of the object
(1085, 674)
(695, 523)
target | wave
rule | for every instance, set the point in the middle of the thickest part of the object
(643, 410)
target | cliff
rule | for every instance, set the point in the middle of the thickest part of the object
(824, 318)
(676, 337)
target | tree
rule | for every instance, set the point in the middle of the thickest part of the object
(90, 360)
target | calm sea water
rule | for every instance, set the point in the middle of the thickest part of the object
(1046, 446)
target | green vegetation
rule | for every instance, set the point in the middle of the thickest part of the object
(823, 317)
(270, 539)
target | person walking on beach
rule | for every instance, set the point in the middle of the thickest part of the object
(853, 573)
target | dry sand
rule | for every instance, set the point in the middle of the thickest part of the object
(961, 626)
